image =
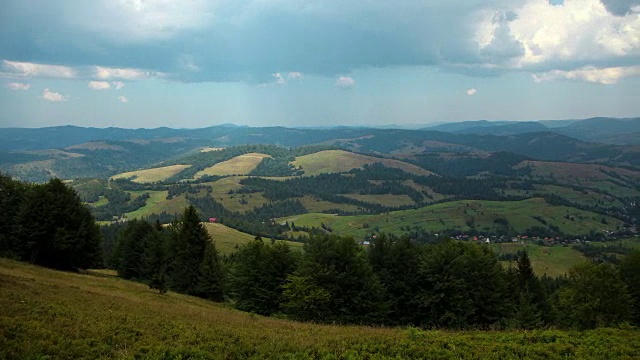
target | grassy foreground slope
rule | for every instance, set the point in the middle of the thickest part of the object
(51, 314)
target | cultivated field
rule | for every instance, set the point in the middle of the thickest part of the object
(337, 161)
(59, 315)
(550, 260)
(239, 165)
(158, 203)
(152, 175)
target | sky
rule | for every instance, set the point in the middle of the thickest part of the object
(196, 63)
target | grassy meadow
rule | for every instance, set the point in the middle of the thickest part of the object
(50, 314)
(550, 260)
(239, 165)
(336, 161)
(228, 239)
(152, 175)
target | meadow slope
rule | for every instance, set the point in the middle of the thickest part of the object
(52, 314)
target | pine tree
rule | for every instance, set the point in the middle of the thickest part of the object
(211, 279)
(190, 240)
(156, 262)
(532, 307)
(630, 274)
(133, 241)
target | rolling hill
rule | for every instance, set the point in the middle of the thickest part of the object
(152, 175)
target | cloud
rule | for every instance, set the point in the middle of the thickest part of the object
(118, 84)
(345, 82)
(607, 76)
(226, 40)
(106, 73)
(53, 96)
(294, 75)
(99, 85)
(123, 99)
(279, 78)
(28, 69)
(18, 86)
(471, 91)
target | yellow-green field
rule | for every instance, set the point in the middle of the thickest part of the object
(157, 203)
(48, 314)
(384, 199)
(235, 202)
(228, 239)
(239, 165)
(152, 175)
(336, 161)
(458, 215)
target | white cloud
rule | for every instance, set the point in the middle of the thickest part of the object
(294, 75)
(118, 84)
(99, 85)
(53, 96)
(106, 73)
(345, 82)
(607, 76)
(279, 78)
(471, 91)
(577, 31)
(17, 86)
(28, 69)
(123, 99)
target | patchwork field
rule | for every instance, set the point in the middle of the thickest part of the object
(152, 175)
(336, 161)
(60, 315)
(461, 215)
(235, 202)
(239, 165)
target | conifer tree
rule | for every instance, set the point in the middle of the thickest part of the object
(190, 240)
(133, 241)
(156, 262)
(532, 307)
(630, 274)
(55, 229)
(211, 279)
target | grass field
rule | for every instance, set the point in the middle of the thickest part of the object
(152, 175)
(336, 161)
(550, 260)
(48, 314)
(459, 214)
(227, 239)
(220, 192)
(239, 165)
(385, 199)
(157, 203)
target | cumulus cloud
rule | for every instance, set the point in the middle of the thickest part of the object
(294, 75)
(118, 84)
(123, 99)
(53, 96)
(471, 91)
(345, 82)
(18, 86)
(226, 40)
(607, 76)
(28, 69)
(99, 85)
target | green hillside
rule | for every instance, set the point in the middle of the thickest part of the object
(52, 314)
(152, 175)
(228, 240)
(462, 215)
